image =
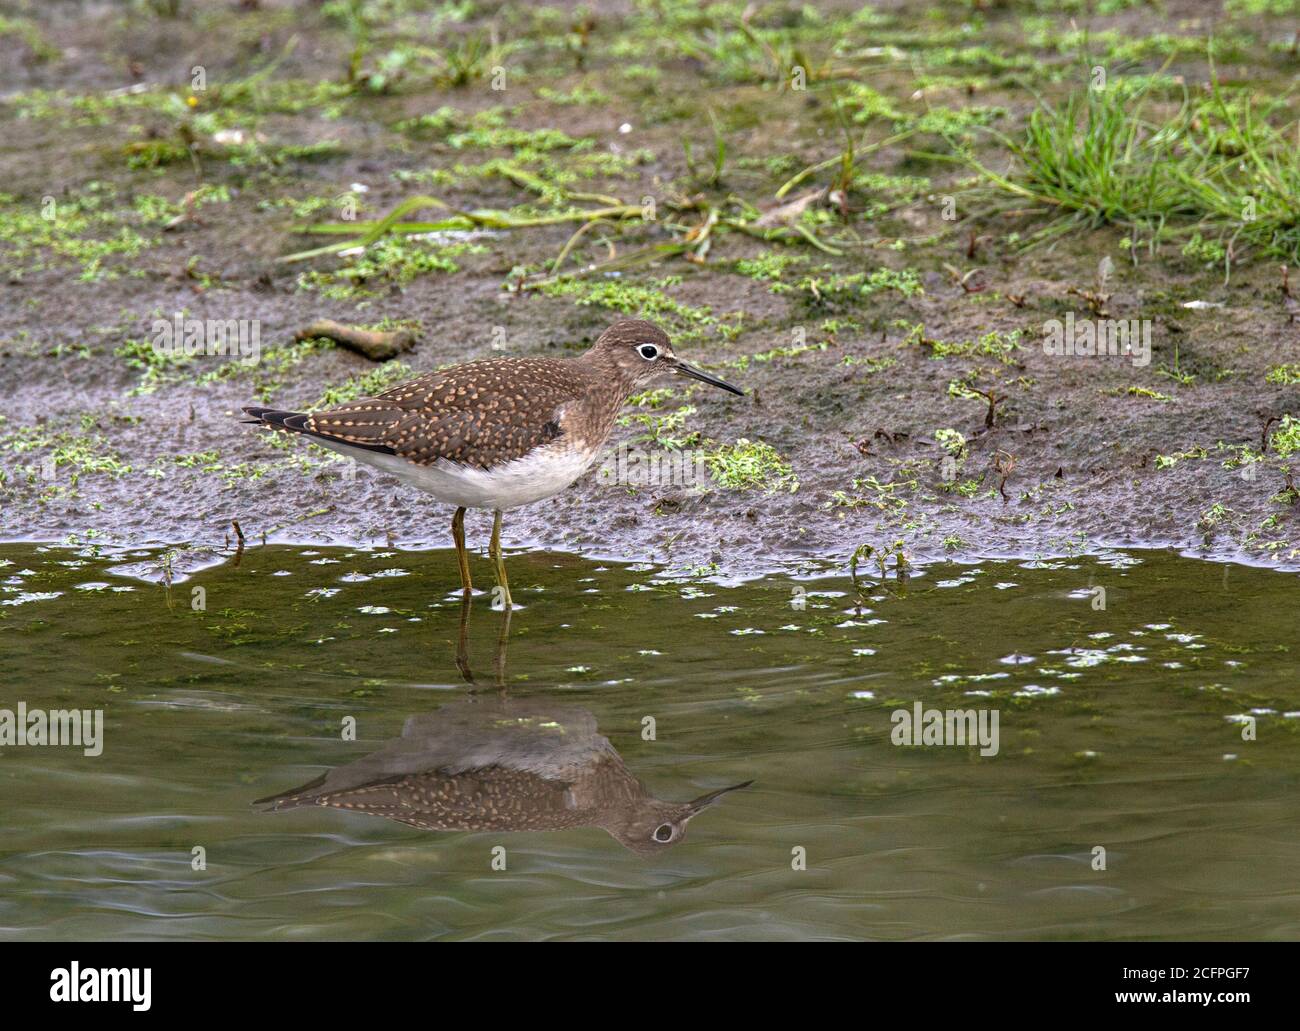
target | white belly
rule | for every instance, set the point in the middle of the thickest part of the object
(539, 475)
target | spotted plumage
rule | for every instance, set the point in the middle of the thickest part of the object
(497, 433)
(502, 766)
(482, 414)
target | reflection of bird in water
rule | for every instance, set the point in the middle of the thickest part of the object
(503, 766)
(462, 645)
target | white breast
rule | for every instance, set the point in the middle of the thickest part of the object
(538, 475)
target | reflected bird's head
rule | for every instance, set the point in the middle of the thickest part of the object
(654, 825)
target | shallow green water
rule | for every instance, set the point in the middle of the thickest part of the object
(1116, 730)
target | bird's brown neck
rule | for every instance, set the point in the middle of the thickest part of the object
(609, 388)
(606, 373)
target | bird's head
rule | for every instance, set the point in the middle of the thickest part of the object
(641, 353)
(653, 825)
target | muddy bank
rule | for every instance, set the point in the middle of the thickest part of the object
(868, 371)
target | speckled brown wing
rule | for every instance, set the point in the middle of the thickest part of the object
(491, 798)
(482, 413)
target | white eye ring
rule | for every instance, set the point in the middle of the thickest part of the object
(648, 351)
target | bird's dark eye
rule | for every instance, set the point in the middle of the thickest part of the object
(664, 832)
(648, 351)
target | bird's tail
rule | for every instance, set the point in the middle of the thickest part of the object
(297, 422)
(277, 420)
(294, 797)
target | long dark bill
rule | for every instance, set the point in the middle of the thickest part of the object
(687, 369)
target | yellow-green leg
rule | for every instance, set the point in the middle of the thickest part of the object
(502, 638)
(494, 551)
(458, 535)
(462, 643)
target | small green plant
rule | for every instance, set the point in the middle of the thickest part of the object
(1211, 518)
(82, 229)
(368, 384)
(906, 282)
(769, 265)
(743, 362)
(869, 492)
(81, 453)
(665, 430)
(390, 261)
(869, 364)
(750, 465)
(829, 284)
(1169, 461)
(867, 552)
(1146, 392)
(27, 30)
(993, 344)
(1212, 252)
(582, 96)
(1286, 438)
(951, 441)
(156, 366)
(1284, 375)
(685, 322)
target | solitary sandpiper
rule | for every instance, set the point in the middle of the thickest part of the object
(503, 766)
(497, 433)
